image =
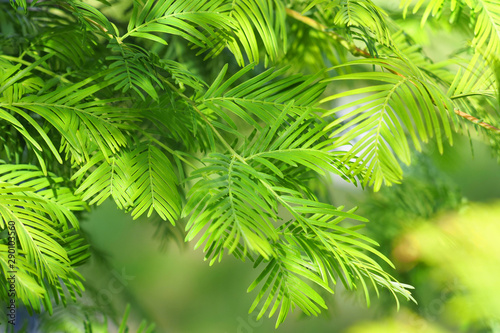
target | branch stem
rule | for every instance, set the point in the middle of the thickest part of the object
(477, 121)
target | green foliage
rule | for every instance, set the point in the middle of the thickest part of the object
(95, 106)
(408, 103)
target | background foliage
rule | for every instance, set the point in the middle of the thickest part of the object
(218, 119)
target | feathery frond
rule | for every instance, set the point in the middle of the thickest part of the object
(41, 211)
(131, 69)
(70, 45)
(474, 79)
(182, 18)
(487, 26)
(139, 180)
(264, 97)
(376, 127)
(362, 15)
(253, 19)
(141, 109)
(323, 254)
(81, 122)
(222, 205)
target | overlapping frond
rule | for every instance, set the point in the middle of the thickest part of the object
(60, 199)
(131, 68)
(349, 20)
(293, 142)
(41, 211)
(261, 99)
(283, 284)
(487, 26)
(239, 25)
(312, 50)
(227, 199)
(476, 78)
(105, 179)
(182, 76)
(474, 93)
(70, 45)
(473, 88)
(177, 121)
(232, 188)
(376, 126)
(243, 185)
(365, 16)
(82, 121)
(323, 254)
(16, 84)
(485, 18)
(27, 287)
(139, 180)
(199, 22)
(405, 48)
(90, 17)
(256, 21)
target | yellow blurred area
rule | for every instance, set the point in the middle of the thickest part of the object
(405, 321)
(462, 252)
(464, 248)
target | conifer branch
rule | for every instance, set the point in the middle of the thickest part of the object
(356, 51)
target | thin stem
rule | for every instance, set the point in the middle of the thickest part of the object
(477, 121)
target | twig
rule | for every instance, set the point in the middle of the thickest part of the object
(477, 121)
(356, 51)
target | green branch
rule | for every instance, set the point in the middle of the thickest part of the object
(356, 51)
